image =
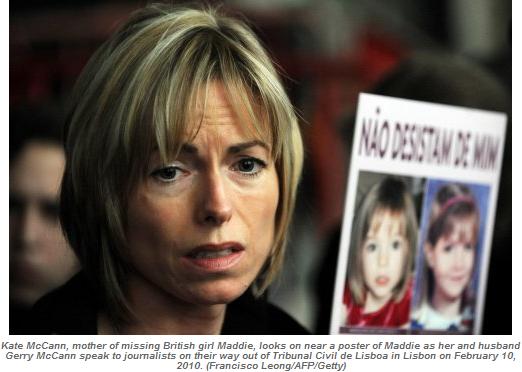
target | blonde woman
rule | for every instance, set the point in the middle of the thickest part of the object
(183, 157)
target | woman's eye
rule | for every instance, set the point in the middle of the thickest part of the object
(167, 174)
(396, 245)
(249, 166)
(448, 248)
(468, 247)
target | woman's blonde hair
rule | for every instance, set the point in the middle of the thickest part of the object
(390, 194)
(136, 95)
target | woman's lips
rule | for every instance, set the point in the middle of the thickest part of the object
(215, 257)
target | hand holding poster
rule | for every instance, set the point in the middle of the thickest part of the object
(418, 218)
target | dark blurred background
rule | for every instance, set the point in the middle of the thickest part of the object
(328, 51)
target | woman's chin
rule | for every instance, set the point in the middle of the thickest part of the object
(217, 293)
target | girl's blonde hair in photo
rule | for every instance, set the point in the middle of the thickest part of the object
(389, 195)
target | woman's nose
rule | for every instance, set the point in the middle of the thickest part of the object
(216, 205)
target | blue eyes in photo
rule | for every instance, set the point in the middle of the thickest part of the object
(394, 245)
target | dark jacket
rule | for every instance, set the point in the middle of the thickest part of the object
(73, 309)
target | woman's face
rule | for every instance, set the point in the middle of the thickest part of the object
(384, 253)
(451, 259)
(201, 227)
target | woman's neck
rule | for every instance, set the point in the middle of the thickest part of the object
(158, 312)
(448, 308)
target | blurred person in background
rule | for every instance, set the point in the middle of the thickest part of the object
(39, 257)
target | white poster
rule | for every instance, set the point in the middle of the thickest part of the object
(418, 218)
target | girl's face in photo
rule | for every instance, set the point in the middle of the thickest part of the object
(201, 226)
(451, 259)
(384, 253)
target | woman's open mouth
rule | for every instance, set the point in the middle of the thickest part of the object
(215, 257)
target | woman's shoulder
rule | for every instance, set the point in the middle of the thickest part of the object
(282, 323)
(70, 309)
(248, 315)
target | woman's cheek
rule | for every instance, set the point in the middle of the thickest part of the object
(151, 216)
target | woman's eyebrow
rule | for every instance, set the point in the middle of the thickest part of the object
(189, 148)
(238, 147)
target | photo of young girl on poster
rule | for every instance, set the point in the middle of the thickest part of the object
(382, 250)
(447, 278)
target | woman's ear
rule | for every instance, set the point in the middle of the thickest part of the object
(428, 254)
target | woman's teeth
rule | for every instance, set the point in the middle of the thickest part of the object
(213, 254)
